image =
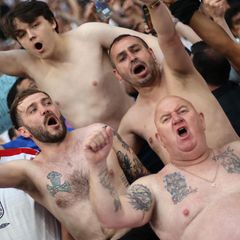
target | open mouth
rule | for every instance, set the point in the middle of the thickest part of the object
(51, 121)
(138, 68)
(182, 131)
(38, 45)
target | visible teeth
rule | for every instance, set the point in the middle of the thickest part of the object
(182, 131)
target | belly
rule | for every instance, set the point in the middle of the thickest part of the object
(218, 221)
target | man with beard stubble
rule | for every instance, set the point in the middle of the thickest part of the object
(57, 178)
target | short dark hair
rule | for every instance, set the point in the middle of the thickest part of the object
(13, 91)
(212, 65)
(27, 12)
(230, 13)
(14, 115)
(119, 38)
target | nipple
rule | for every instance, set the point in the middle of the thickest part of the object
(110, 172)
(150, 140)
(186, 212)
(95, 83)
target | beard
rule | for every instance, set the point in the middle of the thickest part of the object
(45, 136)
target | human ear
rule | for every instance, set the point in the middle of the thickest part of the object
(24, 132)
(117, 75)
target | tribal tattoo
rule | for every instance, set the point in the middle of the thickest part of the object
(176, 185)
(106, 183)
(229, 160)
(55, 179)
(140, 197)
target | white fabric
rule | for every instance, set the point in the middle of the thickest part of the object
(21, 218)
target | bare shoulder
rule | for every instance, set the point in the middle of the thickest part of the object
(130, 118)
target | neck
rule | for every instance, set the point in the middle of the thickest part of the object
(51, 149)
(151, 92)
(196, 159)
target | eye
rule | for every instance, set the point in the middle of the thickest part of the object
(20, 34)
(136, 49)
(121, 58)
(32, 110)
(165, 119)
(48, 103)
(35, 25)
(182, 111)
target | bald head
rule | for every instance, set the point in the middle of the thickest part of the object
(168, 103)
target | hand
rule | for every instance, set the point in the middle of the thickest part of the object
(98, 145)
(214, 8)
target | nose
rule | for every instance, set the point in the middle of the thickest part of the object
(30, 34)
(131, 57)
(176, 118)
(43, 110)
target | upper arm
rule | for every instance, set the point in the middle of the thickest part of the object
(13, 174)
(14, 62)
(104, 34)
(138, 203)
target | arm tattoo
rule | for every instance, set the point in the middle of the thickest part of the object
(105, 182)
(229, 160)
(176, 185)
(55, 179)
(132, 169)
(140, 197)
(124, 145)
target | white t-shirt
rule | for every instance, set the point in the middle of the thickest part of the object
(21, 218)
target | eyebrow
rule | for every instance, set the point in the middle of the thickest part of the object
(176, 110)
(130, 47)
(34, 103)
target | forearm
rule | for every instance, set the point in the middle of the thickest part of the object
(128, 160)
(222, 23)
(162, 21)
(104, 196)
(216, 37)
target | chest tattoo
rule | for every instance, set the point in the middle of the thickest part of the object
(175, 183)
(55, 179)
(229, 160)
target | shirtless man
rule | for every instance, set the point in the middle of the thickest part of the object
(196, 196)
(72, 67)
(135, 63)
(57, 177)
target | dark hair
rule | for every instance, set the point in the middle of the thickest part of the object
(27, 12)
(16, 120)
(13, 91)
(212, 65)
(119, 38)
(230, 13)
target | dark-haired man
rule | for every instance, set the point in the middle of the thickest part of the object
(58, 177)
(72, 67)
